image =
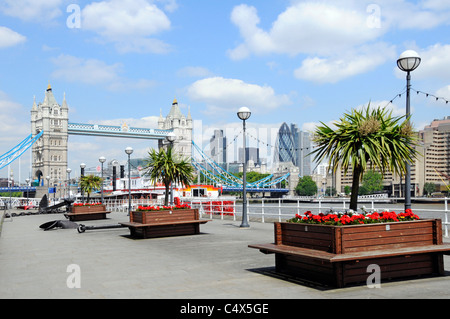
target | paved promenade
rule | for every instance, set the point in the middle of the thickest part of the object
(216, 264)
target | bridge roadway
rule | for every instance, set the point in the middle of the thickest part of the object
(117, 131)
(217, 264)
(256, 190)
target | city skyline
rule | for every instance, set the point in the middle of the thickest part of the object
(288, 61)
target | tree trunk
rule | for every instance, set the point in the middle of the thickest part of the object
(355, 188)
(166, 196)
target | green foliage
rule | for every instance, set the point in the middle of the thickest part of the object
(90, 183)
(252, 176)
(306, 187)
(372, 182)
(12, 194)
(347, 190)
(429, 188)
(370, 138)
(166, 167)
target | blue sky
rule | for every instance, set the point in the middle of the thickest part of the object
(292, 61)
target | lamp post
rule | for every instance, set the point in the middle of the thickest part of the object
(48, 188)
(68, 182)
(28, 189)
(408, 62)
(82, 166)
(171, 137)
(129, 151)
(244, 114)
(102, 159)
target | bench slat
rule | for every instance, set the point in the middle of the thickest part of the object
(321, 255)
(86, 213)
(139, 225)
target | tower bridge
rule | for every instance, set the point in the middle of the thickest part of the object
(51, 127)
(117, 131)
(50, 130)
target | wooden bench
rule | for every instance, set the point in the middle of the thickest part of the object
(326, 266)
(82, 213)
(153, 224)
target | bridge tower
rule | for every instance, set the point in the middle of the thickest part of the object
(49, 153)
(182, 126)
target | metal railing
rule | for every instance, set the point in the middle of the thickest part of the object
(270, 210)
(263, 210)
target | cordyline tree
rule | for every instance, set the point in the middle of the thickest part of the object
(369, 138)
(166, 167)
(90, 183)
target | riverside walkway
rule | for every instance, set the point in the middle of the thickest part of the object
(217, 264)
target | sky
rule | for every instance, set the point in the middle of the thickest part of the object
(300, 62)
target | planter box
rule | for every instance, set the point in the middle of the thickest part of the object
(83, 213)
(166, 223)
(340, 255)
(163, 216)
(357, 238)
(87, 209)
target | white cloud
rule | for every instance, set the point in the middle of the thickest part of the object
(128, 23)
(95, 72)
(9, 38)
(340, 39)
(434, 65)
(305, 27)
(419, 15)
(444, 93)
(32, 10)
(145, 122)
(223, 94)
(336, 68)
(169, 5)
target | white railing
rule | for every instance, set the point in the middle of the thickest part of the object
(14, 202)
(265, 210)
(271, 210)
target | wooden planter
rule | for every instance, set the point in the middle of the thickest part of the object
(357, 238)
(163, 216)
(82, 213)
(87, 209)
(340, 255)
(164, 223)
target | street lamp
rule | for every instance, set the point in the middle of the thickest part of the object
(102, 159)
(129, 151)
(28, 188)
(68, 181)
(408, 62)
(48, 188)
(171, 137)
(244, 114)
(82, 166)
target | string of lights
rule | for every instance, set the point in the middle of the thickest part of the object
(229, 144)
(274, 147)
(397, 96)
(437, 98)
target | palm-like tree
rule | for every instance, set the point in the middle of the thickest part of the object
(90, 183)
(368, 138)
(166, 167)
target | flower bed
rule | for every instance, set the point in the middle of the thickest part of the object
(337, 248)
(350, 218)
(178, 205)
(161, 208)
